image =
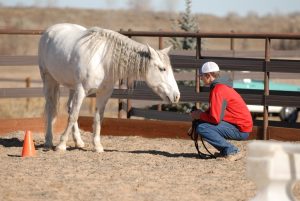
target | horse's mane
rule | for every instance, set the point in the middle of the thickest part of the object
(125, 56)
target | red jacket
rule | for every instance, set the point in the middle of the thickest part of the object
(225, 104)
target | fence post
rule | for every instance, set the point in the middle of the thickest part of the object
(92, 105)
(28, 85)
(121, 102)
(160, 46)
(266, 88)
(232, 45)
(232, 49)
(197, 78)
(129, 85)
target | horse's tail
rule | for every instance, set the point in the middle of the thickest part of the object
(50, 85)
(52, 94)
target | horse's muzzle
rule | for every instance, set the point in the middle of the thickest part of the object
(173, 99)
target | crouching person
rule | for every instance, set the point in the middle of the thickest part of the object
(227, 116)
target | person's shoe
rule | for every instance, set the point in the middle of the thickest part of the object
(218, 155)
(234, 157)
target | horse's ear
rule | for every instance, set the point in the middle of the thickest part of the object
(151, 50)
(167, 50)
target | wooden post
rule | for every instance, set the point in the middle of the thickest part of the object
(197, 78)
(92, 105)
(122, 111)
(266, 88)
(28, 85)
(233, 52)
(232, 45)
(28, 82)
(160, 46)
(129, 85)
(122, 104)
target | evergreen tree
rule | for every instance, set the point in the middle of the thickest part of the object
(187, 23)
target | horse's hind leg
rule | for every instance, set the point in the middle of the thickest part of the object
(78, 97)
(75, 129)
(76, 136)
(101, 99)
(51, 92)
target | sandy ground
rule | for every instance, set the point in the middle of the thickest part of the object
(131, 168)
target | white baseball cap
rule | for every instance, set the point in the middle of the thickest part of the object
(209, 67)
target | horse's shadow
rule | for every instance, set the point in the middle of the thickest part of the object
(15, 142)
(165, 153)
(161, 153)
(11, 142)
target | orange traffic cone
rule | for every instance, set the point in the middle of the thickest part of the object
(28, 145)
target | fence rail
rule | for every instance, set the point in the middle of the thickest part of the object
(290, 36)
(182, 60)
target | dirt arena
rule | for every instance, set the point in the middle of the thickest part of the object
(131, 168)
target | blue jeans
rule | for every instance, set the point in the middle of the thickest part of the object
(216, 135)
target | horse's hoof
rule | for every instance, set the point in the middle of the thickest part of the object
(48, 145)
(99, 149)
(61, 147)
(80, 145)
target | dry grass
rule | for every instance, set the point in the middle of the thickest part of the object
(40, 18)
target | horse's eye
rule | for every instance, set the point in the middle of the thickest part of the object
(162, 69)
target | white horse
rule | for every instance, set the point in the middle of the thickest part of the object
(92, 60)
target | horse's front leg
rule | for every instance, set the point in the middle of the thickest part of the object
(75, 130)
(101, 99)
(78, 97)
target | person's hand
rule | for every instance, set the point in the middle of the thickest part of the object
(195, 114)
